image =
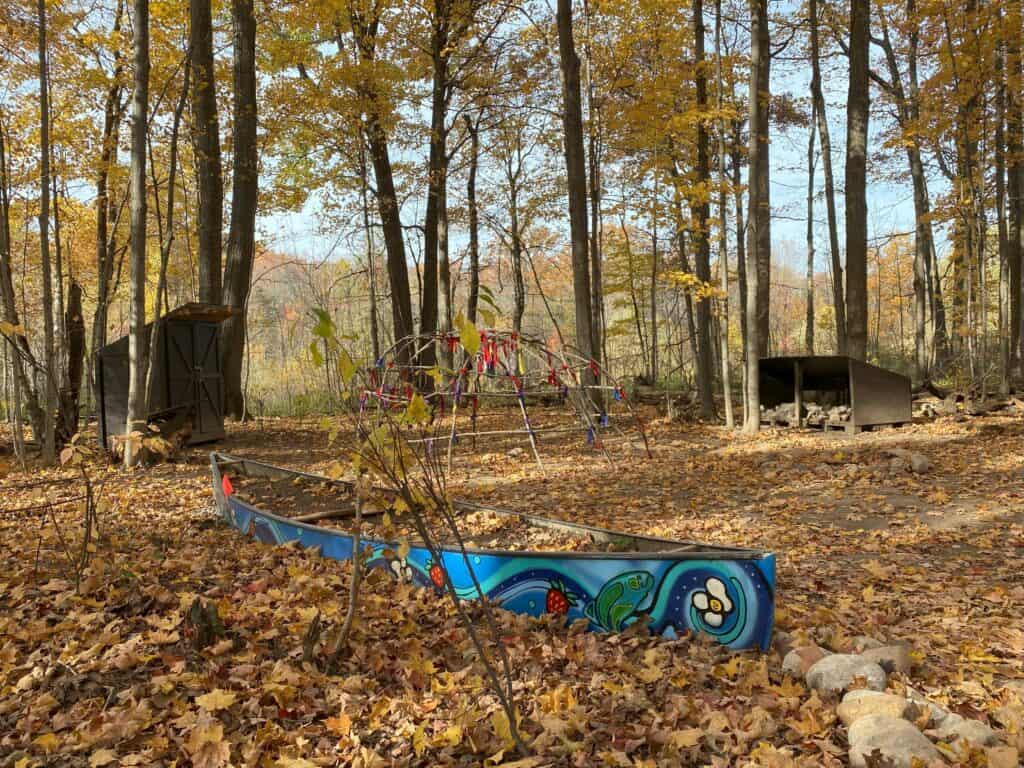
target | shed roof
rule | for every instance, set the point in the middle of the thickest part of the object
(197, 311)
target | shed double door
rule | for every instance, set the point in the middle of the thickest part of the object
(194, 376)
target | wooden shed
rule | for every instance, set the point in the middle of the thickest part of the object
(188, 384)
(866, 395)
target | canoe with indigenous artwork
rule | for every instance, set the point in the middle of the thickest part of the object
(524, 563)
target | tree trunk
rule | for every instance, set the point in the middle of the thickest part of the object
(168, 238)
(435, 180)
(206, 143)
(18, 348)
(60, 330)
(49, 363)
(922, 254)
(908, 114)
(474, 226)
(741, 229)
(1015, 178)
(444, 273)
(723, 214)
(244, 197)
(1002, 233)
(596, 278)
(137, 406)
(759, 207)
(818, 100)
(702, 256)
(518, 284)
(762, 212)
(576, 178)
(594, 150)
(365, 33)
(655, 269)
(809, 317)
(104, 202)
(857, 107)
(371, 267)
(684, 266)
(74, 325)
(394, 244)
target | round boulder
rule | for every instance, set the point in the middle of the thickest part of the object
(861, 703)
(894, 739)
(836, 673)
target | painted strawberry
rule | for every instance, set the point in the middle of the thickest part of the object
(436, 574)
(559, 599)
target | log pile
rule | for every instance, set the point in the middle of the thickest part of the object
(813, 413)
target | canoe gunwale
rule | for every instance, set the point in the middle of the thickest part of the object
(674, 550)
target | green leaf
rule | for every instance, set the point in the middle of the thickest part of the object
(487, 296)
(488, 316)
(417, 411)
(346, 367)
(469, 336)
(314, 352)
(324, 327)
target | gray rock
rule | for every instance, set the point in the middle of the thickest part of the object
(920, 463)
(891, 658)
(898, 453)
(782, 642)
(863, 643)
(895, 739)
(901, 457)
(799, 660)
(937, 715)
(975, 732)
(836, 673)
(861, 703)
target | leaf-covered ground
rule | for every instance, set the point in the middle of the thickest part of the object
(108, 675)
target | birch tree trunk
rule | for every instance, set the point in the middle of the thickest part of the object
(702, 257)
(723, 215)
(137, 406)
(809, 317)
(474, 226)
(47, 439)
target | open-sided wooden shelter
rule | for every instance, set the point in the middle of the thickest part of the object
(188, 384)
(874, 396)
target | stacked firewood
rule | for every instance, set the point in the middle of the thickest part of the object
(813, 413)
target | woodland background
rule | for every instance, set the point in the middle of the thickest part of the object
(676, 188)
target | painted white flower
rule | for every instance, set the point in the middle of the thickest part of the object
(714, 603)
(402, 570)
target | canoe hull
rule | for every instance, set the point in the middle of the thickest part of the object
(730, 598)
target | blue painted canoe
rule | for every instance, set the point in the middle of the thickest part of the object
(724, 592)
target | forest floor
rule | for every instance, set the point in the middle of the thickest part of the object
(107, 675)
